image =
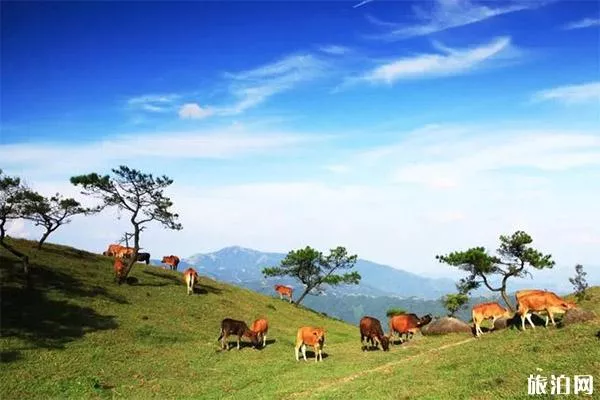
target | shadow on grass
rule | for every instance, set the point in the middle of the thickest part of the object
(310, 355)
(27, 312)
(205, 289)
(9, 356)
(168, 277)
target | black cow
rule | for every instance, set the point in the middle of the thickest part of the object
(238, 328)
(144, 257)
(370, 329)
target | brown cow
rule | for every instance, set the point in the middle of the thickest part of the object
(190, 277)
(239, 328)
(119, 268)
(172, 261)
(547, 302)
(370, 328)
(261, 328)
(284, 290)
(405, 324)
(483, 311)
(112, 250)
(125, 252)
(310, 336)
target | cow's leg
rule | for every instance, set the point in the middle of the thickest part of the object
(290, 299)
(297, 352)
(493, 322)
(238, 341)
(264, 340)
(304, 352)
(530, 321)
(551, 318)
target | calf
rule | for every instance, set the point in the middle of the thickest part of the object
(547, 302)
(405, 324)
(239, 328)
(310, 336)
(370, 329)
(190, 277)
(261, 328)
(483, 311)
(284, 290)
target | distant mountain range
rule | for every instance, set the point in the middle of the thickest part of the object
(244, 267)
(380, 288)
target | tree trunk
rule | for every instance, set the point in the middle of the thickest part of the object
(505, 298)
(136, 248)
(297, 302)
(43, 239)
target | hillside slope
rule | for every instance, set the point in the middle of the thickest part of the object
(72, 333)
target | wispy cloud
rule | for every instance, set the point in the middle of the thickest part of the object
(571, 94)
(453, 62)
(154, 102)
(584, 23)
(362, 3)
(253, 87)
(335, 50)
(447, 14)
(223, 143)
(447, 157)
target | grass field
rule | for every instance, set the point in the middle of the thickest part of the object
(70, 332)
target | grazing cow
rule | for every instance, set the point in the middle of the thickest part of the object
(119, 268)
(370, 328)
(125, 252)
(261, 328)
(547, 302)
(310, 336)
(284, 290)
(112, 250)
(172, 261)
(483, 311)
(525, 292)
(144, 257)
(191, 277)
(239, 328)
(405, 324)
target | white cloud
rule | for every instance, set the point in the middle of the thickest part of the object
(253, 87)
(224, 143)
(447, 14)
(584, 23)
(194, 111)
(17, 229)
(338, 168)
(154, 103)
(454, 62)
(335, 50)
(362, 3)
(571, 94)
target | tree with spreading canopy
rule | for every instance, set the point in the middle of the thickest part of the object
(12, 195)
(51, 213)
(314, 269)
(139, 194)
(454, 302)
(514, 258)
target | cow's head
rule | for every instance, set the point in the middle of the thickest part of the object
(568, 305)
(319, 334)
(385, 343)
(164, 259)
(254, 339)
(424, 320)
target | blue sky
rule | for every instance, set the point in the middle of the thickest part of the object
(398, 129)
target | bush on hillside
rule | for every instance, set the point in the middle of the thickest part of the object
(394, 311)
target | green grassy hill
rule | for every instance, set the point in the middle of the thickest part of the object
(70, 332)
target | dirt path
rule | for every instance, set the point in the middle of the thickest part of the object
(383, 367)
